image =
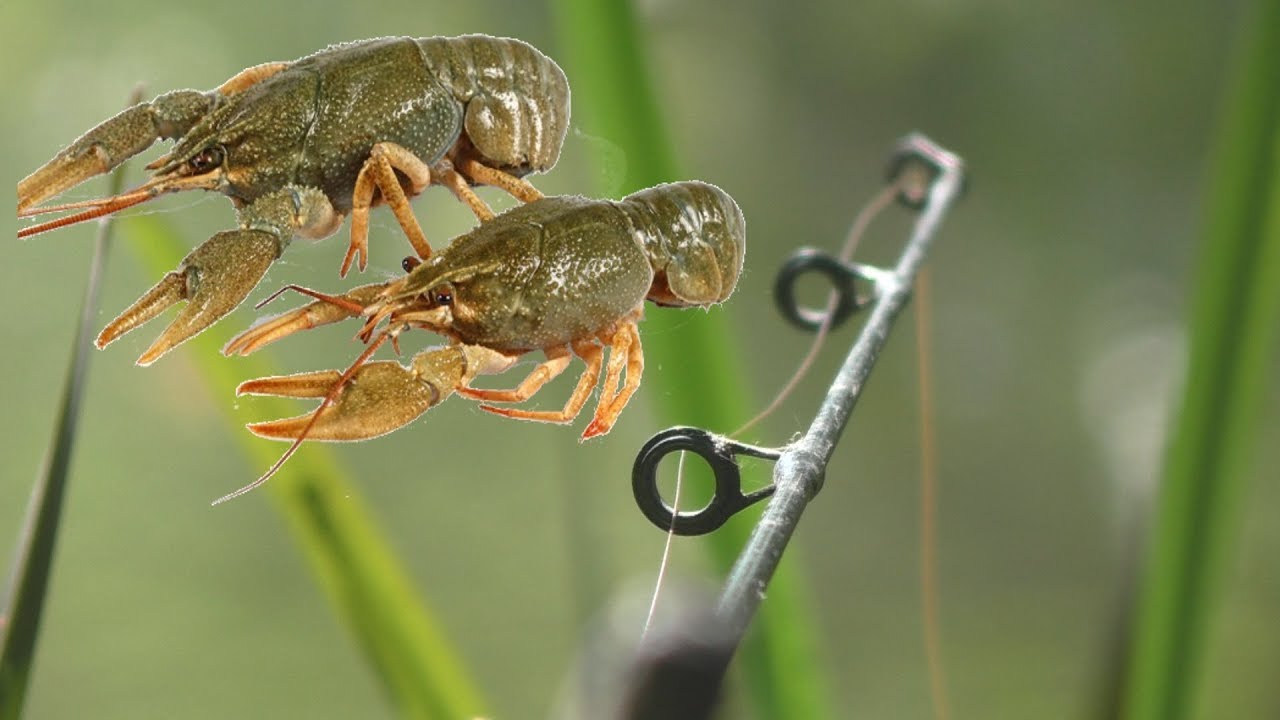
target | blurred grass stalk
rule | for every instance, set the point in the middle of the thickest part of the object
(371, 591)
(28, 585)
(703, 382)
(1234, 325)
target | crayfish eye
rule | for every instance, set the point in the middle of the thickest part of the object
(207, 159)
(440, 297)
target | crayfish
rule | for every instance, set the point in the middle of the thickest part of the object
(299, 145)
(565, 275)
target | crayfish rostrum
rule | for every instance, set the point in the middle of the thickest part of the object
(299, 145)
(565, 275)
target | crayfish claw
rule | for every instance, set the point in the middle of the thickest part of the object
(213, 279)
(66, 170)
(300, 385)
(321, 312)
(381, 397)
(106, 146)
(169, 291)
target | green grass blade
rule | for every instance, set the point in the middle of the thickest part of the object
(356, 567)
(1234, 326)
(613, 94)
(33, 561)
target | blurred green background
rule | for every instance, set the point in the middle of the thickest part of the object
(1060, 286)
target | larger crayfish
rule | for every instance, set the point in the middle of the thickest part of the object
(565, 275)
(299, 145)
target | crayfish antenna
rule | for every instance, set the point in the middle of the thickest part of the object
(265, 476)
(153, 188)
(351, 306)
(315, 416)
(63, 207)
(327, 309)
(97, 209)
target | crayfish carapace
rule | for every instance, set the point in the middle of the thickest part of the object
(564, 275)
(299, 145)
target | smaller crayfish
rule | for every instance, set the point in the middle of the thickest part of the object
(564, 275)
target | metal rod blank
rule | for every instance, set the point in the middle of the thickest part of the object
(799, 472)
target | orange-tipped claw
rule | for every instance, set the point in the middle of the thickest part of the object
(379, 398)
(357, 248)
(321, 312)
(213, 279)
(624, 348)
(596, 428)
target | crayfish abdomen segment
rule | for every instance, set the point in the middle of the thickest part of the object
(694, 236)
(516, 99)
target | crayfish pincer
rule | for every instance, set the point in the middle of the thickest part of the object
(299, 145)
(564, 275)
